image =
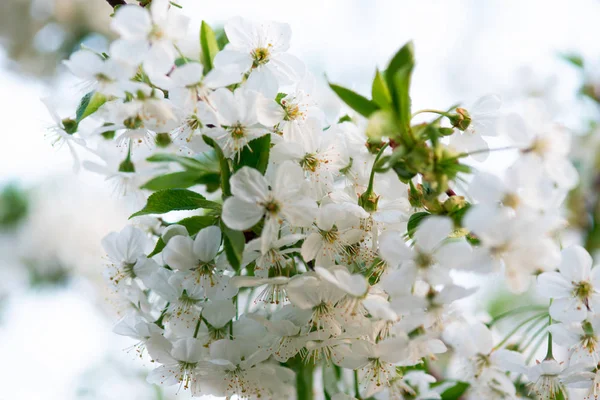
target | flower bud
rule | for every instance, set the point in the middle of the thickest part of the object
(368, 200)
(461, 119)
(163, 140)
(70, 125)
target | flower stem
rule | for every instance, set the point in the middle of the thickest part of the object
(430, 110)
(304, 380)
(514, 311)
(356, 386)
(549, 355)
(517, 328)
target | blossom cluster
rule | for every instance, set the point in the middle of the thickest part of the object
(322, 242)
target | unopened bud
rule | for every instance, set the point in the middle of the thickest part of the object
(381, 124)
(460, 120)
(163, 140)
(70, 125)
(368, 201)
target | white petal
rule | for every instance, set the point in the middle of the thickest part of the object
(241, 215)
(132, 22)
(207, 243)
(432, 231)
(576, 264)
(249, 185)
(179, 253)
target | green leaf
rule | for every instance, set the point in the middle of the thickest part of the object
(456, 391)
(182, 180)
(414, 221)
(573, 59)
(233, 242)
(223, 166)
(198, 222)
(255, 155)
(209, 46)
(358, 103)
(164, 201)
(398, 77)
(160, 245)
(89, 104)
(380, 92)
(222, 38)
(186, 162)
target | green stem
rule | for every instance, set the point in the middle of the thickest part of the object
(372, 176)
(487, 151)
(517, 328)
(304, 380)
(515, 311)
(430, 110)
(549, 355)
(356, 385)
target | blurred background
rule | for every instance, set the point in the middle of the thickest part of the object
(55, 314)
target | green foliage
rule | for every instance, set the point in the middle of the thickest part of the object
(183, 180)
(223, 166)
(233, 243)
(255, 155)
(414, 221)
(209, 46)
(14, 206)
(398, 77)
(455, 392)
(192, 224)
(358, 103)
(380, 91)
(164, 201)
(89, 104)
(574, 59)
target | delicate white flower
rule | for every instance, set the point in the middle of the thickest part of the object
(431, 255)
(148, 36)
(59, 135)
(484, 115)
(575, 289)
(179, 360)
(107, 76)
(253, 197)
(260, 49)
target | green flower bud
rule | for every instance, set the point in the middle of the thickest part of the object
(126, 165)
(461, 119)
(163, 140)
(368, 200)
(70, 125)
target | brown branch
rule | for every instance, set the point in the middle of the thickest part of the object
(115, 3)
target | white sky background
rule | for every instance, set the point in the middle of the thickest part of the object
(464, 49)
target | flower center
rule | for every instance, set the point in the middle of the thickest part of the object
(237, 131)
(331, 236)
(310, 162)
(511, 200)
(424, 260)
(272, 207)
(260, 56)
(292, 111)
(583, 290)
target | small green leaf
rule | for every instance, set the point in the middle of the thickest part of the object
(223, 166)
(198, 222)
(456, 391)
(255, 155)
(398, 77)
(358, 103)
(222, 38)
(160, 245)
(89, 104)
(209, 45)
(414, 221)
(380, 92)
(164, 201)
(188, 163)
(233, 242)
(573, 59)
(182, 180)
